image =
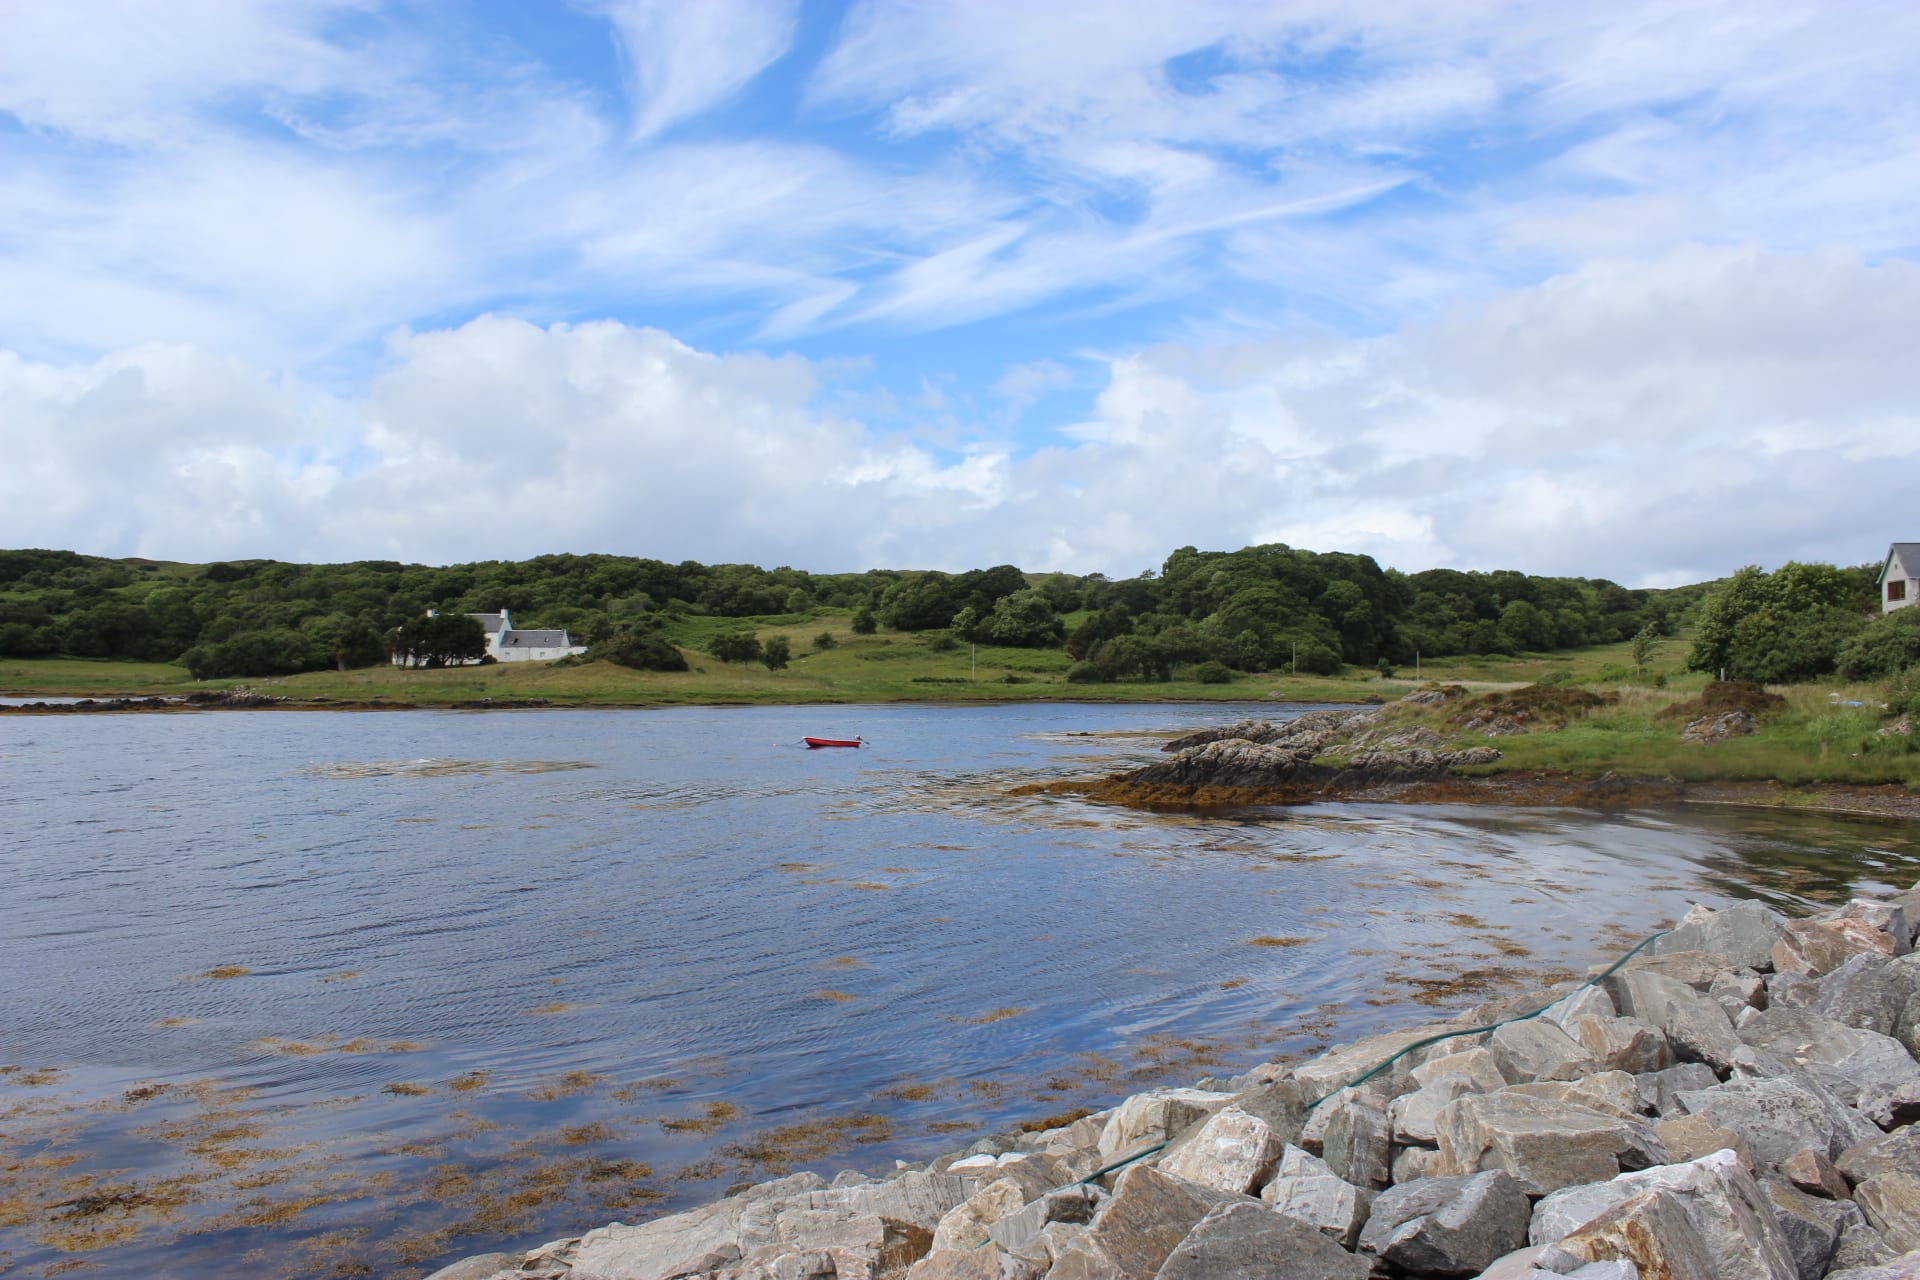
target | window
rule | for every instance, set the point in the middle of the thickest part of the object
(1896, 589)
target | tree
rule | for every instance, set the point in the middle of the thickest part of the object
(735, 646)
(442, 640)
(1023, 619)
(1645, 641)
(864, 623)
(775, 652)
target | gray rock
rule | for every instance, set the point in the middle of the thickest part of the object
(1335, 1069)
(1232, 1151)
(1248, 1242)
(965, 1225)
(1730, 1215)
(1860, 1246)
(1473, 1070)
(1644, 996)
(1073, 1206)
(1544, 1143)
(1906, 1027)
(1624, 1044)
(1847, 1060)
(1897, 1152)
(1650, 1230)
(1282, 1103)
(1155, 1116)
(1453, 1226)
(1739, 989)
(1308, 1191)
(1614, 1092)
(1666, 1085)
(1890, 1105)
(1792, 990)
(1779, 1117)
(1891, 1201)
(1697, 969)
(1868, 992)
(962, 1264)
(1904, 1267)
(1150, 1213)
(1410, 1163)
(1888, 917)
(1537, 1050)
(1358, 1142)
(1699, 1031)
(1586, 1002)
(1816, 947)
(1744, 933)
(481, 1266)
(1690, 1137)
(1809, 1234)
(1410, 1116)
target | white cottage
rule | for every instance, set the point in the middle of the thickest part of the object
(505, 643)
(508, 644)
(1900, 576)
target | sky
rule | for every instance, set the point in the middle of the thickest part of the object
(1627, 290)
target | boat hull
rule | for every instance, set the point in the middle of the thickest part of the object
(830, 742)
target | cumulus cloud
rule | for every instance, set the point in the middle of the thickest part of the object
(1651, 421)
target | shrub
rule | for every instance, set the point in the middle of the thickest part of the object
(824, 641)
(776, 653)
(640, 651)
(1212, 672)
(942, 642)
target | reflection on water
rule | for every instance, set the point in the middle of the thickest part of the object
(291, 993)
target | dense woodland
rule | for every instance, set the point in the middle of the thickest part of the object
(1262, 608)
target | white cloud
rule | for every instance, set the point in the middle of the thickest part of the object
(687, 58)
(1655, 421)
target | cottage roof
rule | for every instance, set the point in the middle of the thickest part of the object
(1908, 553)
(534, 639)
(490, 622)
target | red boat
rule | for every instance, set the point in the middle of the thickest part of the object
(833, 742)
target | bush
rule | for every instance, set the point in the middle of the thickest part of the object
(1903, 692)
(1088, 673)
(1885, 646)
(1385, 668)
(942, 642)
(640, 651)
(824, 641)
(1212, 672)
(775, 653)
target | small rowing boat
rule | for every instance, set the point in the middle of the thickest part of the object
(833, 742)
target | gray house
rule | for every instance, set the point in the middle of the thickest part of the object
(1900, 576)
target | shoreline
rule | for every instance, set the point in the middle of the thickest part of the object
(1729, 1100)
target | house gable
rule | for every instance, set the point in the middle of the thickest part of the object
(1900, 576)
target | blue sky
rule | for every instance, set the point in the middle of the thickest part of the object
(1621, 291)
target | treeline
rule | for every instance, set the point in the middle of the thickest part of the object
(1802, 622)
(1258, 609)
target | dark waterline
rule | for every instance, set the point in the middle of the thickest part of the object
(494, 963)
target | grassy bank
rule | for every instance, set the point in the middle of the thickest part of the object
(1812, 741)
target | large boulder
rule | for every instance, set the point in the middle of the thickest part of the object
(1250, 1242)
(1743, 933)
(1623, 1044)
(1150, 1214)
(1546, 1144)
(1538, 1050)
(1778, 1117)
(1728, 1217)
(1233, 1151)
(1154, 1117)
(1816, 947)
(1807, 1229)
(1450, 1226)
(1868, 993)
(1852, 1062)
(1308, 1191)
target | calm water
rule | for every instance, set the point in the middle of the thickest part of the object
(312, 994)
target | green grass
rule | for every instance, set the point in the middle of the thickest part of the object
(89, 677)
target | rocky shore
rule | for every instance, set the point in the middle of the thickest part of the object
(1364, 755)
(1733, 1102)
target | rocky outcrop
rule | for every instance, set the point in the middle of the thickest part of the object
(1735, 1103)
